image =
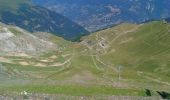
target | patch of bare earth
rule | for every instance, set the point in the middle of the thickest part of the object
(40, 65)
(5, 60)
(24, 63)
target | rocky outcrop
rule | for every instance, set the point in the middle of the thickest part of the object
(16, 40)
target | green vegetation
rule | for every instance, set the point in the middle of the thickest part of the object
(109, 62)
(77, 90)
(15, 31)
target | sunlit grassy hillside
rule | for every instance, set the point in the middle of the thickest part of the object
(121, 60)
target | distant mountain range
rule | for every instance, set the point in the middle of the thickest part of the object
(91, 15)
(34, 18)
(97, 14)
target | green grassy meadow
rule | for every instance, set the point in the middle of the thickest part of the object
(122, 60)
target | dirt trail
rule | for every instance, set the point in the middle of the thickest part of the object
(5, 60)
(125, 32)
(141, 74)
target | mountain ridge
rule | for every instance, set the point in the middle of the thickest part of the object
(35, 18)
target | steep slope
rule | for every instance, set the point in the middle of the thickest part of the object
(16, 41)
(98, 14)
(32, 18)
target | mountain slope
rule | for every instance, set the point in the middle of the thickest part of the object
(16, 41)
(168, 19)
(34, 18)
(121, 60)
(98, 14)
(140, 50)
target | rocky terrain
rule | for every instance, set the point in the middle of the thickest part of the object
(16, 41)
